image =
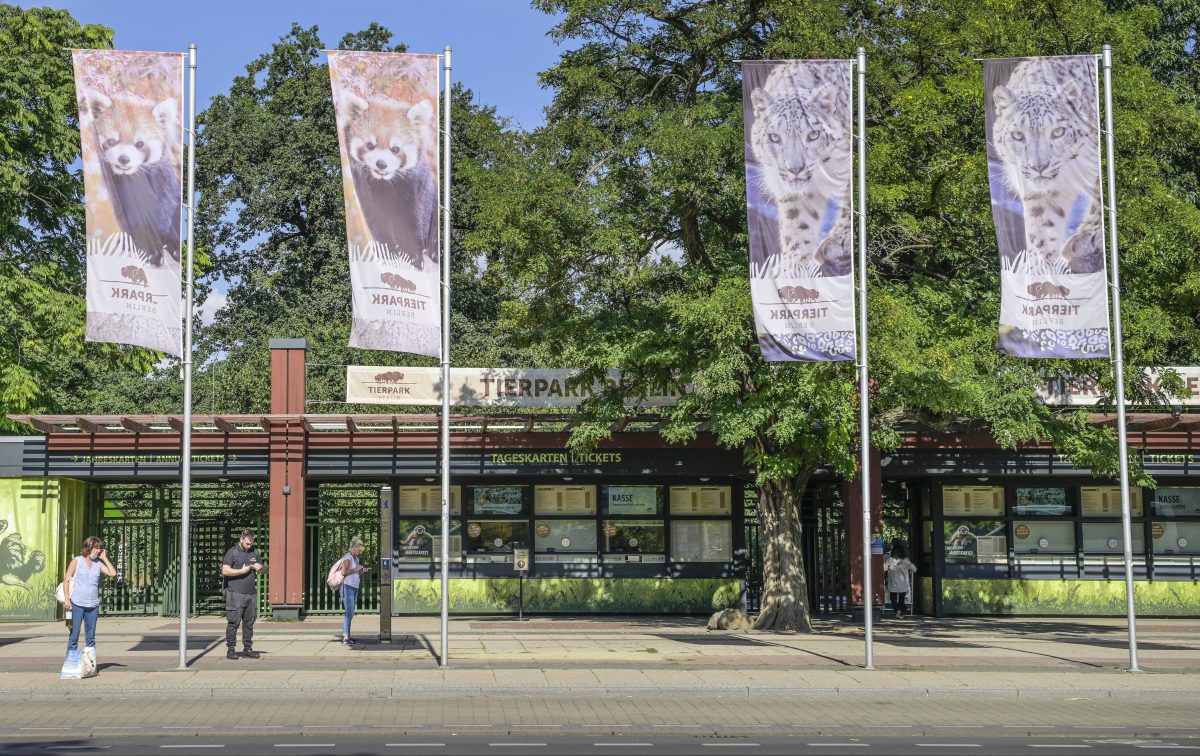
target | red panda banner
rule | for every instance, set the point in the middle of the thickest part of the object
(387, 120)
(799, 161)
(131, 141)
(1043, 130)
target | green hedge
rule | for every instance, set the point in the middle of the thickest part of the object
(568, 595)
(1078, 597)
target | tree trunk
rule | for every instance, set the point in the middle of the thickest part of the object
(784, 606)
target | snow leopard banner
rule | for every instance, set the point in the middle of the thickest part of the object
(131, 142)
(1043, 130)
(799, 161)
(386, 106)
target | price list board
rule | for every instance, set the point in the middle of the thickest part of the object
(1105, 501)
(564, 500)
(427, 500)
(701, 500)
(973, 501)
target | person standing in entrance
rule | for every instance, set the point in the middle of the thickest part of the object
(899, 571)
(352, 571)
(240, 568)
(81, 591)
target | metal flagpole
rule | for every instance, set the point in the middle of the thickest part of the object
(863, 392)
(445, 660)
(186, 462)
(1119, 359)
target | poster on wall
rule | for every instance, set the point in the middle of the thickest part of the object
(498, 500)
(799, 162)
(1041, 501)
(1042, 118)
(975, 542)
(386, 105)
(632, 500)
(29, 555)
(131, 142)
(1176, 502)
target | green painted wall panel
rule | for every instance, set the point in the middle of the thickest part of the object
(568, 595)
(1069, 597)
(31, 554)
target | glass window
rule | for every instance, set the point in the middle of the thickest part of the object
(977, 501)
(640, 501)
(975, 542)
(634, 536)
(496, 536)
(1105, 538)
(498, 500)
(1105, 501)
(701, 541)
(1042, 501)
(420, 540)
(701, 500)
(570, 536)
(1176, 537)
(1176, 502)
(564, 500)
(1044, 537)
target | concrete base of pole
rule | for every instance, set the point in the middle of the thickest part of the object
(286, 613)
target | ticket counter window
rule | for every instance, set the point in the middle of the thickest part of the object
(701, 541)
(1175, 538)
(420, 540)
(1106, 538)
(1044, 537)
(633, 540)
(494, 540)
(564, 536)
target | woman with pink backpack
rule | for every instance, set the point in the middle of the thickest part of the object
(345, 575)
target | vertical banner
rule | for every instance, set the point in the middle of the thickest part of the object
(387, 121)
(131, 140)
(799, 162)
(1042, 117)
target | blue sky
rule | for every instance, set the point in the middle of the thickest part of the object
(500, 46)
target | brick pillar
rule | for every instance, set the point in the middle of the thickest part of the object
(854, 533)
(285, 584)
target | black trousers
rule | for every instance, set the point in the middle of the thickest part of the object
(898, 602)
(240, 608)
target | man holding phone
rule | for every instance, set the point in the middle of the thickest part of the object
(240, 568)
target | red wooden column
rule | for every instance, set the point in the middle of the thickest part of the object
(285, 585)
(854, 533)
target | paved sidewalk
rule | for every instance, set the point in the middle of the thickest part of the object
(982, 657)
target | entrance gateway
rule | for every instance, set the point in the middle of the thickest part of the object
(638, 525)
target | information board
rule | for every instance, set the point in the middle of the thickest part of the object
(701, 500)
(501, 500)
(983, 501)
(632, 500)
(1105, 501)
(1177, 502)
(564, 500)
(427, 500)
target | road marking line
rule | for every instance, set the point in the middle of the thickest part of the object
(1177, 747)
(949, 745)
(187, 727)
(45, 728)
(836, 745)
(957, 727)
(517, 745)
(1059, 745)
(305, 745)
(624, 745)
(258, 727)
(730, 745)
(1028, 727)
(191, 746)
(414, 745)
(118, 727)
(78, 748)
(883, 727)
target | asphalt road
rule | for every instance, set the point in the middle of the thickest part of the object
(598, 725)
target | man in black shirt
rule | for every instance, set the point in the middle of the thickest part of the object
(240, 568)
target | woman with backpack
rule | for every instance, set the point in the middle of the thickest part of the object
(349, 570)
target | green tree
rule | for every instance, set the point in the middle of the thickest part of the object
(44, 362)
(621, 229)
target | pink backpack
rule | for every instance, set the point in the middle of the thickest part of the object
(335, 575)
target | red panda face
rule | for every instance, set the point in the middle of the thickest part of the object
(130, 131)
(383, 137)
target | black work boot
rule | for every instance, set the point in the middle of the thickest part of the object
(250, 653)
(231, 654)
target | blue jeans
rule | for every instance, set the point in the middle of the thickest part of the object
(84, 616)
(349, 599)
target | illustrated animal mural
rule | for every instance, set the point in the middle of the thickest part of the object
(17, 563)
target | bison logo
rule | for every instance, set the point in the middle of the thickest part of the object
(396, 281)
(392, 376)
(134, 275)
(1047, 290)
(798, 295)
